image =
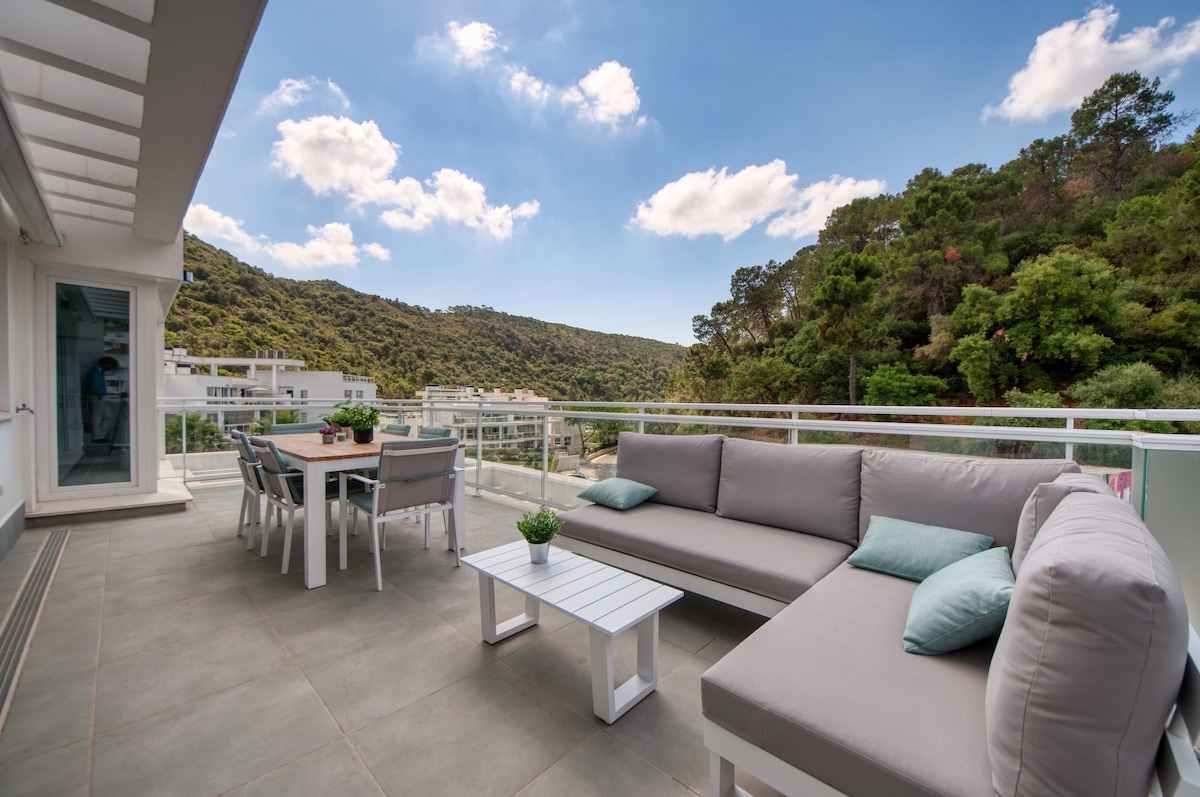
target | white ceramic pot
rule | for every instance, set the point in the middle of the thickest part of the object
(539, 552)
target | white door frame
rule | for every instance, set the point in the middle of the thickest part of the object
(143, 463)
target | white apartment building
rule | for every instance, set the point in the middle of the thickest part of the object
(267, 375)
(500, 426)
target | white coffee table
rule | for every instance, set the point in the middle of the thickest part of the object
(609, 600)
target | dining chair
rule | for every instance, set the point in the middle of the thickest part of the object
(427, 432)
(399, 429)
(415, 479)
(285, 490)
(252, 488)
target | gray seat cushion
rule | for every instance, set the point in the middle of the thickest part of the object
(1091, 656)
(806, 488)
(772, 562)
(684, 469)
(827, 687)
(980, 495)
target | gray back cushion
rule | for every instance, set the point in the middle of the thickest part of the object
(1091, 656)
(813, 489)
(1043, 501)
(685, 469)
(980, 495)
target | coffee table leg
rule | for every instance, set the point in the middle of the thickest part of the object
(609, 701)
(494, 632)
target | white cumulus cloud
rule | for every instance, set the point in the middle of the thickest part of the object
(331, 245)
(204, 222)
(472, 42)
(292, 91)
(814, 204)
(1072, 60)
(606, 95)
(526, 85)
(377, 251)
(354, 159)
(719, 203)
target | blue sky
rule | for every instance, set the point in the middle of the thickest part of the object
(609, 165)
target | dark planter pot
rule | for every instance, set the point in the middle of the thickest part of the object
(364, 435)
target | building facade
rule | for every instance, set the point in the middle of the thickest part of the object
(500, 426)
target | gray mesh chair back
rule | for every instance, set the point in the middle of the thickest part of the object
(426, 432)
(285, 491)
(252, 487)
(399, 429)
(413, 474)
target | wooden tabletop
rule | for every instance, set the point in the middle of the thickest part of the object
(308, 446)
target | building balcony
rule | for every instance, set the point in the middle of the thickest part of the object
(171, 660)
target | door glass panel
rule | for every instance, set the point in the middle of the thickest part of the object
(92, 368)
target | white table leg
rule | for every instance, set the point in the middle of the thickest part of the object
(609, 701)
(494, 632)
(342, 520)
(314, 526)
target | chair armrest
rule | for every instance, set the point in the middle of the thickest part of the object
(359, 478)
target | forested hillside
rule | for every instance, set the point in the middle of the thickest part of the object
(1070, 274)
(232, 309)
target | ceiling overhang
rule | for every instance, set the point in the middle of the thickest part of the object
(115, 104)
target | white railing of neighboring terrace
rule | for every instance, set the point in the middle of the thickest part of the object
(540, 484)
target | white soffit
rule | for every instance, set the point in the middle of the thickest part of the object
(117, 102)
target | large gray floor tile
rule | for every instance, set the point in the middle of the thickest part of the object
(136, 686)
(48, 715)
(62, 772)
(63, 609)
(165, 537)
(464, 616)
(159, 626)
(168, 587)
(694, 621)
(411, 658)
(55, 652)
(601, 767)
(85, 576)
(214, 744)
(171, 560)
(313, 631)
(488, 734)
(333, 770)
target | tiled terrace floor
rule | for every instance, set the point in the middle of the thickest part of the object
(171, 661)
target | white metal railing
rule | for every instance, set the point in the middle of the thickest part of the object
(789, 419)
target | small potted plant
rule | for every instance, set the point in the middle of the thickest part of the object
(360, 417)
(539, 529)
(327, 434)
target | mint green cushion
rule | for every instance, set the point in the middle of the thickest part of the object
(618, 493)
(960, 604)
(913, 550)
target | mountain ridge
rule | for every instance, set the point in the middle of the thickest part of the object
(232, 309)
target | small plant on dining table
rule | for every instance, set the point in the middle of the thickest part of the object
(327, 430)
(540, 527)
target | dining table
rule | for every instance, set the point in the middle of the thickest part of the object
(317, 459)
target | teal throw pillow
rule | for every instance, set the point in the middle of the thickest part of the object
(960, 604)
(913, 550)
(618, 493)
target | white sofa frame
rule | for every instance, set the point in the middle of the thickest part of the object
(742, 599)
(1177, 771)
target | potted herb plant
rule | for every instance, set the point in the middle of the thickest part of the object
(539, 529)
(359, 416)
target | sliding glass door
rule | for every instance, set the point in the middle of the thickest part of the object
(92, 368)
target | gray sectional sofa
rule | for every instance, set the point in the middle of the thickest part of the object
(1071, 698)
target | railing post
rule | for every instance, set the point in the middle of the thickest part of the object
(545, 453)
(641, 424)
(183, 440)
(794, 433)
(1070, 450)
(479, 450)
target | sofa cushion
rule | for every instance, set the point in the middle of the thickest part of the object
(914, 550)
(980, 495)
(1091, 656)
(826, 686)
(1045, 499)
(806, 488)
(960, 604)
(618, 493)
(776, 563)
(684, 469)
